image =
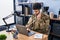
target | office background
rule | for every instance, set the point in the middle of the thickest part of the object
(6, 7)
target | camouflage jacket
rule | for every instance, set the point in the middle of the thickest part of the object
(41, 25)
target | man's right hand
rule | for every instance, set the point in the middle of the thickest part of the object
(28, 30)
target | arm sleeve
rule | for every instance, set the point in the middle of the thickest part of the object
(47, 23)
(29, 22)
(47, 19)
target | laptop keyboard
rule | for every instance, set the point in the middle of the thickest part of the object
(31, 33)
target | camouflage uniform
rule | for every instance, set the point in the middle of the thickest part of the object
(40, 25)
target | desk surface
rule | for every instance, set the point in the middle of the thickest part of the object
(8, 34)
(24, 37)
(55, 19)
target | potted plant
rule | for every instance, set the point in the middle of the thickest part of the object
(3, 37)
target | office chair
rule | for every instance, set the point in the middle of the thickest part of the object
(46, 8)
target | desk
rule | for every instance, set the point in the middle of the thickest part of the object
(55, 19)
(24, 37)
(55, 22)
(8, 34)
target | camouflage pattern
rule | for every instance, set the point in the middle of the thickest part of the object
(41, 25)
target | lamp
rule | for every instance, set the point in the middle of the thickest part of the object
(4, 19)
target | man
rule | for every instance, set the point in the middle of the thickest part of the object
(39, 21)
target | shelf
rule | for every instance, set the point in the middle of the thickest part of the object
(55, 35)
(26, 2)
(25, 15)
(23, 3)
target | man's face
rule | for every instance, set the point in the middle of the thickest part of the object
(36, 12)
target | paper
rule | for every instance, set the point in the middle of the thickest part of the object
(38, 35)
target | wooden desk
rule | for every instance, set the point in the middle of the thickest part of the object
(8, 34)
(24, 37)
(53, 32)
(55, 19)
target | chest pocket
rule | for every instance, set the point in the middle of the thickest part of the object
(41, 24)
(35, 25)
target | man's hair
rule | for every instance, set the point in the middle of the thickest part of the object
(36, 6)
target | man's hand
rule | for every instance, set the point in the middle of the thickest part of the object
(28, 30)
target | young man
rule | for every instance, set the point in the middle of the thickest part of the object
(39, 21)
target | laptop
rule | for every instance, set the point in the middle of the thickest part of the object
(23, 30)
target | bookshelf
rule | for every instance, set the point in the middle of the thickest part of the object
(25, 9)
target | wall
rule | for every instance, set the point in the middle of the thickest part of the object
(54, 5)
(6, 7)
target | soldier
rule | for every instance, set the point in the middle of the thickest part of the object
(39, 21)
